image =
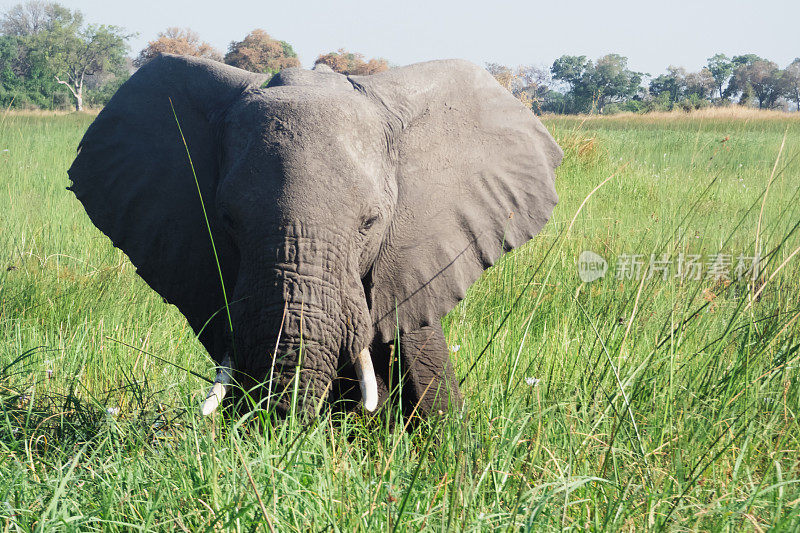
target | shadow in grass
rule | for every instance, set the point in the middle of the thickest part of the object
(51, 420)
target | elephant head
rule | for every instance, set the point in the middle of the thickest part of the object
(298, 224)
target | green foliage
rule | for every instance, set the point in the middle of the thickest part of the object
(682, 90)
(661, 405)
(34, 56)
(97, 97)
(758, 79)
(26, 80)
(288, 51)
(49, 56)
(671, 84)
(556, 102)
(572, 70)
(593, 85)
(745, 59)
(36, 16)
(721, 68)
(694, 101)
(613, 79)
(73, 54)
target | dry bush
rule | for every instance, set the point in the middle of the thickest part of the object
(180, 41)
(35, 112)
(578, 147)
(352, 63)
(258, 52)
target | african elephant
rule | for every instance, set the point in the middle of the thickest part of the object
(336, 215)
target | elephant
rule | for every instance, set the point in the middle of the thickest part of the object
(312, 227)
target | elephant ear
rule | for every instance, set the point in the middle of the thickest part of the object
(475, 178)
(133, 176)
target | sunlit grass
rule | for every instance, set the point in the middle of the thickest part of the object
(619, 404)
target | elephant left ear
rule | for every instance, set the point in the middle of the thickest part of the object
(475, 178)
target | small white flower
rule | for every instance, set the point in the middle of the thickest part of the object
(532, 382)
(113, 411)
(454, 348)
(49, 373)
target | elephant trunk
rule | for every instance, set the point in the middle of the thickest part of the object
(299, 305)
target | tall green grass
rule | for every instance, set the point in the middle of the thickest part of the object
(620, 404)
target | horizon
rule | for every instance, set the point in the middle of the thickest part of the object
(652, 39)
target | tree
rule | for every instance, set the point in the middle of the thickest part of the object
(791, 78)
(571, 70)
(767, 82)
(527, 83)
(533, 76)
(745, 59)
(614, 80)
(688, 90)
(26, 80)
(75, 54)
(36, 16)
(673, 84)
(701, 84)
(352, 63)
(600, 83)
(44, 40)
(721, 68)
(259, 52)
(762, 79)
(503, 74)
(738, 83)
(180, 41)
(575, 72)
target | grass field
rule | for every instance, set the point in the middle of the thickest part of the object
(626, 404)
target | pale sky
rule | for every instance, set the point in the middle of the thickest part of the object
(652, 35)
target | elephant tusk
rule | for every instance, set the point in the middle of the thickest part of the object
(366, 379)
(222, 383)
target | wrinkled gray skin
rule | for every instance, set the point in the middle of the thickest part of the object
(347, 211)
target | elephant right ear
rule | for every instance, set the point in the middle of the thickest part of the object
(133, 176)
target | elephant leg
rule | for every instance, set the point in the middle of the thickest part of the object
(429, 384)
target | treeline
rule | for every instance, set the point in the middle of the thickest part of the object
(50, 58)
(576, 84)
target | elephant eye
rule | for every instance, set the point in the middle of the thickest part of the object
(369, 221)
